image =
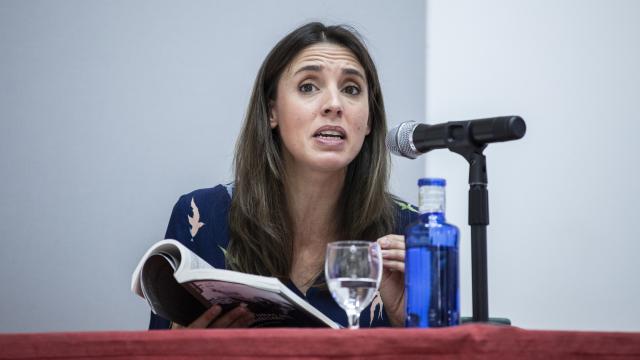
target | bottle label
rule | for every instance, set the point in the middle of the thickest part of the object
(431, 199)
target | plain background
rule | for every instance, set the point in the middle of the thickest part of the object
(110, 110)
(563, 242)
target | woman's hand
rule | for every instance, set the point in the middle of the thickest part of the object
(392, 284)
(238, 317)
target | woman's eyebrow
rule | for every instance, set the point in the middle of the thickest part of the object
(352, 71)
(315, 68)
(318, 68)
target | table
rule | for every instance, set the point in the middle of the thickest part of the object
(466, 341)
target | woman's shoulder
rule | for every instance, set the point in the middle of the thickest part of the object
(405, 213)
(404, 206)
(207, 199)
(200, 212)
(220, 192)
(199, 221)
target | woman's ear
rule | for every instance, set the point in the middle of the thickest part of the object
(273, 114)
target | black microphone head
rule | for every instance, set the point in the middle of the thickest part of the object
(518, 127)
(497, 129)
(400, 140)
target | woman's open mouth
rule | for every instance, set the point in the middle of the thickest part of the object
(330, 136)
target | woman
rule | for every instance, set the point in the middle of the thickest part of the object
(310, 168)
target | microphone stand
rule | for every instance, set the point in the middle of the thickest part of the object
(478, 220)
(469, 139)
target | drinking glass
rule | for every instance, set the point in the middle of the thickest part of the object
(353, 270)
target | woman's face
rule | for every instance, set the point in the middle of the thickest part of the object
(322, 109)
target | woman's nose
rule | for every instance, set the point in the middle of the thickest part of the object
(333, 105)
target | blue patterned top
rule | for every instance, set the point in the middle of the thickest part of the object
(200, 222)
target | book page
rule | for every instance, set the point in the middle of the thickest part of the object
(165, 296)
(171, 253)
(192, 261)
(221, 292)
(270, 308)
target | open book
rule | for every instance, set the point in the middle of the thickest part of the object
(180, 286)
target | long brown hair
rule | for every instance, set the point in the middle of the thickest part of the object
(260, 227)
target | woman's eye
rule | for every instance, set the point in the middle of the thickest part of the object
(306, 88)
(352, 90)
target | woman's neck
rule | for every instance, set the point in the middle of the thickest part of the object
(312, 199)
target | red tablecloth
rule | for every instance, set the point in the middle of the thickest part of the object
(467, 341)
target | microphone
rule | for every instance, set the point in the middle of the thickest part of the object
(411, 139)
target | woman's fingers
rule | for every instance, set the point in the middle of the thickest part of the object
(176, 326)
(393, 252)
(237, 316)
(243, 321)
(397, 255)
(205, 319)
(393, 265)
(391, 241)
(392, 247)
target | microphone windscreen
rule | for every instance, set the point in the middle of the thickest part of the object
(400, 140)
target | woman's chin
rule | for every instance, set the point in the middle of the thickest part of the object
(319, 162)
(330, 164)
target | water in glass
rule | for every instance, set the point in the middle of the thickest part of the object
(353, 270)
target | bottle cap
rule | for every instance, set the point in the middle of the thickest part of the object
(432, 182)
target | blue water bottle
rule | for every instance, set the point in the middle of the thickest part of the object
(431, 262)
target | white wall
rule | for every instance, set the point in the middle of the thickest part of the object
(109, 110)
(564, 239)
